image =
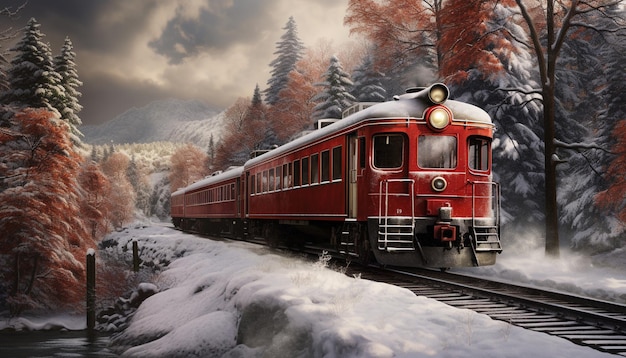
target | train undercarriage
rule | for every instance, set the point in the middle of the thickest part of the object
(393, 241)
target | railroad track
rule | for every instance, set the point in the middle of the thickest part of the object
(588, 322)
(593, 323)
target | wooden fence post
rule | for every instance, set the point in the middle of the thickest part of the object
(91, 289)
(136, 260)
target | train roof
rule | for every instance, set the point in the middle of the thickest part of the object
(231, 173)
(408, 105)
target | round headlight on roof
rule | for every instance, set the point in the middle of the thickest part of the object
(438, 118)
(438, 93)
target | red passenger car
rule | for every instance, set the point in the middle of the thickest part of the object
(406, 182)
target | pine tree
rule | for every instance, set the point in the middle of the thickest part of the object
(501, 90)
(256, 97)
(367, 82)
(33, 82)
(68, 105)
(611, 197)
(289, 51)
(335, 96)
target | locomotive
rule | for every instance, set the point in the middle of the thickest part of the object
(406, 182)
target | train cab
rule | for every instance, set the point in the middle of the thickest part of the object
(423, 182)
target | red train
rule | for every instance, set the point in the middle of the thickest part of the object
(406, 182)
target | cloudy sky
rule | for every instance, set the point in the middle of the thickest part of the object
(132, 52)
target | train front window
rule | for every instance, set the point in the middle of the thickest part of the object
(478, 154)
(388, 151)
(437, 152)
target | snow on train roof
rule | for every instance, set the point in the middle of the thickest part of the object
(408, 105)
(216, 177)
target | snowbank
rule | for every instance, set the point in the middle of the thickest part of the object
(233, 299)
(600, 277)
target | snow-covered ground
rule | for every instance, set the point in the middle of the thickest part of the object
(234, 299)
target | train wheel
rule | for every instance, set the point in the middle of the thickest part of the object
(363, 247)
(270, 234)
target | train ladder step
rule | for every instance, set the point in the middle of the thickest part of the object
(487, 239)
(397, 237)
(346, 246)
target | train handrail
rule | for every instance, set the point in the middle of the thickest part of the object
(386, 193)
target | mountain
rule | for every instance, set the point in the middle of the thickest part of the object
(172, 120)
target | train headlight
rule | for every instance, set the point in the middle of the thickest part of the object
(438, 93)
(438, 118)
(439, 184)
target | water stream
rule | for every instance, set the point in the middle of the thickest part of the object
(42, 344)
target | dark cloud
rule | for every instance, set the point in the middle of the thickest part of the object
(132, 52)
(105, 97)
(213, 29)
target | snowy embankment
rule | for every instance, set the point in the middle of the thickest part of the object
(233, 299)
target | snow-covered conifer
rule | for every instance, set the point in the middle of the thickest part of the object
(33, 82)
(68, 105)
(367, 82)
(335, 96)
(289, 51)
(606, 181)
(507, 95)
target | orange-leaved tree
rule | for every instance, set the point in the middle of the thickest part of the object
(453, 36)
(96, 205)
(43, 240)
(188, 164)
(121, 198)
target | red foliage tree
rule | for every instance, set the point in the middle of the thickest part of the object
(188, 165)
(458, 40)
(43, 240)
(121, 198)
(95, 205)
(294, 109)
(246, 129)
(400, 29)
(467, 42)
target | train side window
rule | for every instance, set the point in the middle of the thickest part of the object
(437, 152)
(259, 181)
(252, 184)
(325, 166)
(296, 172)
(279, 177)
(305, 171)
(265, 183)
(337, 163)
(271, 180)
(388, 151)
(478, 154)
(286, 176)
(315, 169)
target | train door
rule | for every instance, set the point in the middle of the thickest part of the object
(246, 191)
(237, 196)
(353, 166)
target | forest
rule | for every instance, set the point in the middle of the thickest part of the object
(550, 73)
